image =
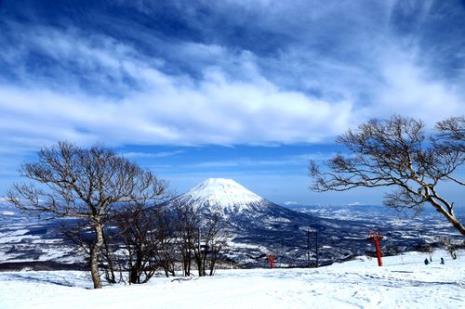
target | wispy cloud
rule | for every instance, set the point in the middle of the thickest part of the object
(301, 72)
(161, 108)
(152, 155)
(277, 161)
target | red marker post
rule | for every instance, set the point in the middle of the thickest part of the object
(376, 237)
(271, 260)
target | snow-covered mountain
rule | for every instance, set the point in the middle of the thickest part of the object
(225, 196)
(225, 192)
(238, 205)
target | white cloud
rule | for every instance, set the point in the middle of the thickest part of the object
(290, 203)
(410, 90)
(326, 76)
(162, 109)
(278, 161)
(152, 155)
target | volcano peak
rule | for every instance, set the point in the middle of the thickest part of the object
(222, 192)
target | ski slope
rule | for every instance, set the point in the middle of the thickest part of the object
(404, 282)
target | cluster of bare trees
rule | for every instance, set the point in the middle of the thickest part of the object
(201, 237)
(165, 238)
(401, 154)
(125, 224)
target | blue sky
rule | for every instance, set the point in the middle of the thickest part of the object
(245, 89)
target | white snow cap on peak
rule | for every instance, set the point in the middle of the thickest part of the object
(223, 192)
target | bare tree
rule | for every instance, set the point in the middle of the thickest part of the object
(144, 241)
(399, 153)
(80, 233)
(188, 223)
(209, 243)
(166, 250)
(216, 241)
(201, 237)
(158, 237)
(452, 130)
(451, 248)
(70, 181)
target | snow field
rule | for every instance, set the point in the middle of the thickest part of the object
(404, 282)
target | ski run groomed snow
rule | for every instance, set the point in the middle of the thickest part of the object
(404, 282)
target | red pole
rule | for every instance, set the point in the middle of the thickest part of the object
(376, 237)
(378, 251)
(271, 260)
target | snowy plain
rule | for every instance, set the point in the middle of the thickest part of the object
(404, 282)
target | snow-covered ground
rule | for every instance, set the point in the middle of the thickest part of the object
(404, 282)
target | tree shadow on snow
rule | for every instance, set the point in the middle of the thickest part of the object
(58, 281)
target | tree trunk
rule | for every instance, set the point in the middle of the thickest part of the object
(95, 254)
(136, 270)
(198, 261)
(451, 218)
(187, 263)
(133, 276)
(212, 269)
(110, 272)
(213, 263)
